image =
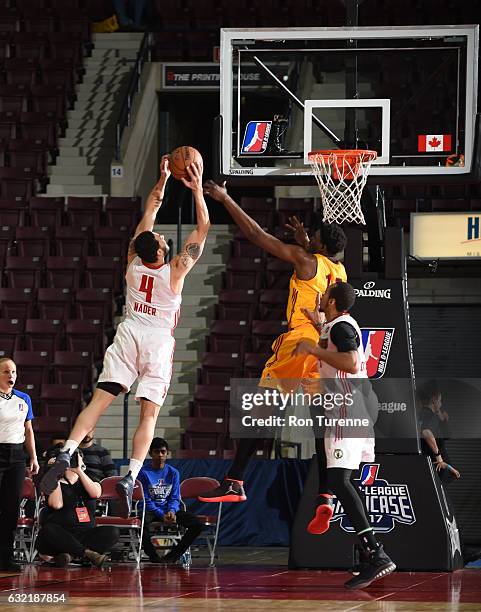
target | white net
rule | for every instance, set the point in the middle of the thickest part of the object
(341, 176)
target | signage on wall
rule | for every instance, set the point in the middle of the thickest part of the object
(180, 76)
(446, 235)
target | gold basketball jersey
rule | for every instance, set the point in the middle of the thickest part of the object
(303, 293)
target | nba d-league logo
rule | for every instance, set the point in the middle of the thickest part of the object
(387, 504)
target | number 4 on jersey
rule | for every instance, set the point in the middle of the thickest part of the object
(147, 286)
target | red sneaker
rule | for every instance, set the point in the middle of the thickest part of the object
(323, 514)
(230, 490)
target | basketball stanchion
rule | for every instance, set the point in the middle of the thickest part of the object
(341, 175)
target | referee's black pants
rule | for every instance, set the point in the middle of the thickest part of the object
(12, 476)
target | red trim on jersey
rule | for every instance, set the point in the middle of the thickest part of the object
(152, 266)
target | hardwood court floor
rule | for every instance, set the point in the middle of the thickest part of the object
(249, 579)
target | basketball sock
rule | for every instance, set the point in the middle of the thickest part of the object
(321, 465)
(134, 468)
(245, 450)
(368, 540)
(69, 447)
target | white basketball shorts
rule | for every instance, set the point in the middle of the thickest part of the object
(144, 353)
(348, 453)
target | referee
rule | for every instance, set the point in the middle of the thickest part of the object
(15, 429)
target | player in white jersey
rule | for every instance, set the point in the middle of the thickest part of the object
(143, 347)
(341, 359)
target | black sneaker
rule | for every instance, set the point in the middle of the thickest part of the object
(230, 490)
(49, 482)
(378, 566)
(125, 489)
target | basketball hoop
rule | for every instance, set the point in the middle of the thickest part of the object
(341, 175)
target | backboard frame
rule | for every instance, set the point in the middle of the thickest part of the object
(231, 35)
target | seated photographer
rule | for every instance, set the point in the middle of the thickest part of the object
(161, 485)
(67, 523)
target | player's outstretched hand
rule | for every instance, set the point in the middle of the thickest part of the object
(164, 167)
(316, 317)
(215, 191)
(304, 347)
(298, 231)
(194, 176)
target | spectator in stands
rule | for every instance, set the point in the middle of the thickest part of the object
(161, 484)
(15, 429)
(97, 459)
(434, 429)
(127, 8)
(68, 521)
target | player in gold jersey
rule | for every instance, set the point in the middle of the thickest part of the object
(316, 265)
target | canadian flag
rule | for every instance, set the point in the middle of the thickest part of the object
(434, 142)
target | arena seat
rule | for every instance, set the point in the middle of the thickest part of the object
(54, 303)
(264, 334)
(272, 304)
(302, 208)
(57, 400)
(17, 182)
(278, 273)
(205, 440)
(228, 336)
(243, 273)
(29, 154)
(23, 272)
(103, 272)
(64, 272)
(254, 364)
(237, 304)
(72, 241)
(243, 248)
(35, 367)
(110, 242)
(17, 303)
(33, 241)
(219, 368)
(122, 212)
(13, 211)
(95, 304)
(44, 335)
(86, 336)
(46, 211)
(84, 211)
(11, 332)
(73, 368)
(7, 237)
(211, 401)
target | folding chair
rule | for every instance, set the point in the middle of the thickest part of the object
(27, 527)
(191, 488)
(132, 528)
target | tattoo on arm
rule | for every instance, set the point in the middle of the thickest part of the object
(190, 254)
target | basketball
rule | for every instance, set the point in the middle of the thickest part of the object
(181, 158)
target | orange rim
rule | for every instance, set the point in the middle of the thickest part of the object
(352, 156)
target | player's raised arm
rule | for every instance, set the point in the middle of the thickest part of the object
(154, 202)
(254, 233)
(194, 245)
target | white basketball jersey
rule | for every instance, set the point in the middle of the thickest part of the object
(328, 371)
(150, 300)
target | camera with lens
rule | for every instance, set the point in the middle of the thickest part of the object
(74, 459)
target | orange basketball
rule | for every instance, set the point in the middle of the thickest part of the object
(181, 158)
